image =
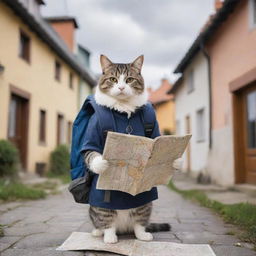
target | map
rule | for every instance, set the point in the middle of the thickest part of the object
(136, 163)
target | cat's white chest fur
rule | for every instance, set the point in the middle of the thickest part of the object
(124, 222)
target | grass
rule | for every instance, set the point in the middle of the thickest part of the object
(11, 191)
(1, 230)
(242, 214)
(65, 178)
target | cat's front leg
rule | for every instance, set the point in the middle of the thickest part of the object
(141, 234)
(110, 236)
(96, 162)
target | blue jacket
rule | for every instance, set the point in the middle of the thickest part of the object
(93, 141)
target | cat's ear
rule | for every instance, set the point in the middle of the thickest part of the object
(138, 62)
(105, 62)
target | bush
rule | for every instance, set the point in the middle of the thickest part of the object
(9, 159)
(59, 160)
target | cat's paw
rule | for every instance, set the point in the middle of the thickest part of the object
(97, 232)
(141, 234)
(110, 238)
(99, 165)
(177, 164)
(144, 236)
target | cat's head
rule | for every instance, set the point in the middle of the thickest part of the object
(121, 81)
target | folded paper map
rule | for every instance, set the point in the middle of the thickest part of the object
(136, 163)
(132, 247)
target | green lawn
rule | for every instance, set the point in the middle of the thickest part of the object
(242, 214)
(11, 191)
(65, 178)
(1, 230)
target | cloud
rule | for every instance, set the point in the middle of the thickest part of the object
(123, 29)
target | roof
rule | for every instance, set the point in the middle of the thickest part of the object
(161, 94)
(207, 33)
(176, 85)
(47, 34)
(84, 49)
(41, 2)
(63, 18)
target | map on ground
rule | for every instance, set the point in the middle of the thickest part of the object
(136, 163)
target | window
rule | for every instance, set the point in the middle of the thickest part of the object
(57, 70)
(42, 125)
(251, 119)
(190, 81)
(69, 132)
(200, 122)
(60, 129)
(24, 47)
(252, 12)
(71, 80)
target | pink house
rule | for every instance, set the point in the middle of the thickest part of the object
(229, 43)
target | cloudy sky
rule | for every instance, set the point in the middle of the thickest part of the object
(162, 30)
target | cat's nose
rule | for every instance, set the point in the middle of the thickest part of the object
(121, 88)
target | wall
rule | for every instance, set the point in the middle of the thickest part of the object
(188, 104)
(165, 115)
(37, 78)
(233, 53)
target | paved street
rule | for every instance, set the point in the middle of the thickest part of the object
(38, 227)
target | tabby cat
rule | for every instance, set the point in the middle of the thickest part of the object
(121, 88)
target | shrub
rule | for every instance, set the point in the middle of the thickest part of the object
(59, 160)
(9, 159)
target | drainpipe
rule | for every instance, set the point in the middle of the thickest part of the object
(208, 59)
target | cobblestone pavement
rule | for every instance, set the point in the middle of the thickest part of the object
(38, 227)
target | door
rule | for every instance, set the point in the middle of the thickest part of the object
(249, 123)
(188, 131)
(18, 126)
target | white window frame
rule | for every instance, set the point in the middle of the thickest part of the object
(252, 14)
(200, 125)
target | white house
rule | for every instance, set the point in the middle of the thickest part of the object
(192, 113)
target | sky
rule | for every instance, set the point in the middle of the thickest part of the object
(162, 30)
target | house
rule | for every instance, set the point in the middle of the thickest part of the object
(192, 113)
(39, 81)
(164, 106)
(229, 45)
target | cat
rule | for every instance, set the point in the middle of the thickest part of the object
(121, 88)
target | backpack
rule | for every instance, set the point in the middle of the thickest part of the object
(80, 174)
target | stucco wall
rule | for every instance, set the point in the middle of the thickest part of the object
(188, 104)
(165, 116)
(36, 78)
(233, 53)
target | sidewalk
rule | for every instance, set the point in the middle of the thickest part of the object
(38, 227)
(227, 195)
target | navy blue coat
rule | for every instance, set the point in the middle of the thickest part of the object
(93, 141)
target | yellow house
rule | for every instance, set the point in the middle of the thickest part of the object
(39, 83)
(164, 106)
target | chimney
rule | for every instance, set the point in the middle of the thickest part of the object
(218, 5)
(65, 26)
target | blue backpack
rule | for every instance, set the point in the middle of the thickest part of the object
(80, 174)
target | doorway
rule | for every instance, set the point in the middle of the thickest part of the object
(18, 125)
(245, 134)
(249, 123)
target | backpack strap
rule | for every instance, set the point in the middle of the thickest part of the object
(105, 117)
(148, 117)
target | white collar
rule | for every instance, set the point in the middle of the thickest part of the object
(122, 106)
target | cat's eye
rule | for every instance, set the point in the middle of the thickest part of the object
(129, 80)
(113, 79)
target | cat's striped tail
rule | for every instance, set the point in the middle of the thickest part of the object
(158, 227)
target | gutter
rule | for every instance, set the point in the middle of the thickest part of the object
(208, 59)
